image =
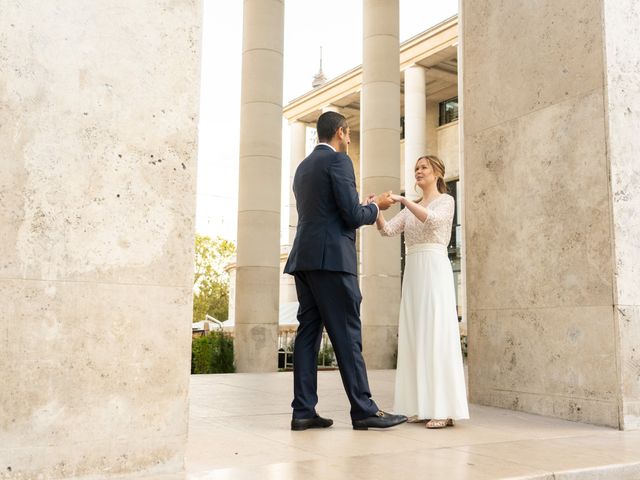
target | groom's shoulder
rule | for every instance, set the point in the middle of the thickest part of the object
(341, 158)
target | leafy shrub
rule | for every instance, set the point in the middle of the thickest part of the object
(326, 356)
(212, 353)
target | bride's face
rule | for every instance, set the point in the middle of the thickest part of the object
(424, 173)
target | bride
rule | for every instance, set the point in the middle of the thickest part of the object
(430, 376)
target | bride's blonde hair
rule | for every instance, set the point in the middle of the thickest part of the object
(437, 166)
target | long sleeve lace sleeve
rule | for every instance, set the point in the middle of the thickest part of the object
(395, 225)
(441, 213)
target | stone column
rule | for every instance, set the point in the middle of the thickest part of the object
(551, 195)
(97, 185)
(331, 108)
(258, 259)
(297, 154)
(415, 124)
(380, 164)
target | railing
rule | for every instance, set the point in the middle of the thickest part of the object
(286, 341)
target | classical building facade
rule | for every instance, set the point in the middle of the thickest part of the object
(426, 122)
(548, 157)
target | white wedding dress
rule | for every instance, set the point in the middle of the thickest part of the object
(430, 376)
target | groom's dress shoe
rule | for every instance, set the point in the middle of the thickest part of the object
(379, 420)
(315, 422)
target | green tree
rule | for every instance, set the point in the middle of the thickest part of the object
(211, 282)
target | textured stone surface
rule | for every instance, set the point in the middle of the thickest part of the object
(98, 107)
(551, 201)
(380, 166)
(259, 194)
(535, 239)
(448, 144)
(622, 34)
(558, 362)
(522, 57)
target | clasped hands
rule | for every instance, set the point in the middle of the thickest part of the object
(383, 200)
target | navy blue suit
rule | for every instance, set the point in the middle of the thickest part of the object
(324, 264)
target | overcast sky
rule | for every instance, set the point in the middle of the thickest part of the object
(336, 26)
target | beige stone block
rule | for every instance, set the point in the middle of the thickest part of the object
(380, 346)
(92, 178)
(381, 55)
(628, 320)
(564, 355)
(99, 114)
(623, 148)
(630, 415)
(263, 25)
(298, 145)
(534, 236)
(381, 305)
(98, 363)
(258, 239)
(377, 185)
(256, 347)
(262, 64)
(563, 59)
(448, 149)
(287, 287)
(620, 22)
(381, 154)
(381, 17)
(380, 108)
(261, 130)
(259, 190)
(415, 124)
(98, 459)
(380, 255)
(257, 293)
(596, 412)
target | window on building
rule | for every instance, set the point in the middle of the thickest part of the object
(455, 245)
(448, 111)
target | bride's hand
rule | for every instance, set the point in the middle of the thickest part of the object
(397, 198)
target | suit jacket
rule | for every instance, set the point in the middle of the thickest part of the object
(329, 212)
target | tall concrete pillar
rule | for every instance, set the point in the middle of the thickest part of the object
(415, 124)
(551, 194)
(380, 164)
(331, 108)
(297, 154)
(97, 184)
(258, 259)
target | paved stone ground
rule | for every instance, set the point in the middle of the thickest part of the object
(239, 429)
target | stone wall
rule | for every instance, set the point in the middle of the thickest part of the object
(98, 115)
(551, 248)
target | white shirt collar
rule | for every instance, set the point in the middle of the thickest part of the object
(327, 145)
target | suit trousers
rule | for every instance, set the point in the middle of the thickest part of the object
(329, 299)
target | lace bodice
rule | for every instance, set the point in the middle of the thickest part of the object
(435, 229)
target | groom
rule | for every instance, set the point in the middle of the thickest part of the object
(323, 262)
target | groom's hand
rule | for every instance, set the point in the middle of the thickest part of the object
(384, 200)
(370, 198)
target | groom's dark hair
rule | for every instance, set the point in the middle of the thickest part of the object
(328, 124)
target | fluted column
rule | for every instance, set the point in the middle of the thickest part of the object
(298, 150)
(258, 260)
(415, 124)
(380, 160)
